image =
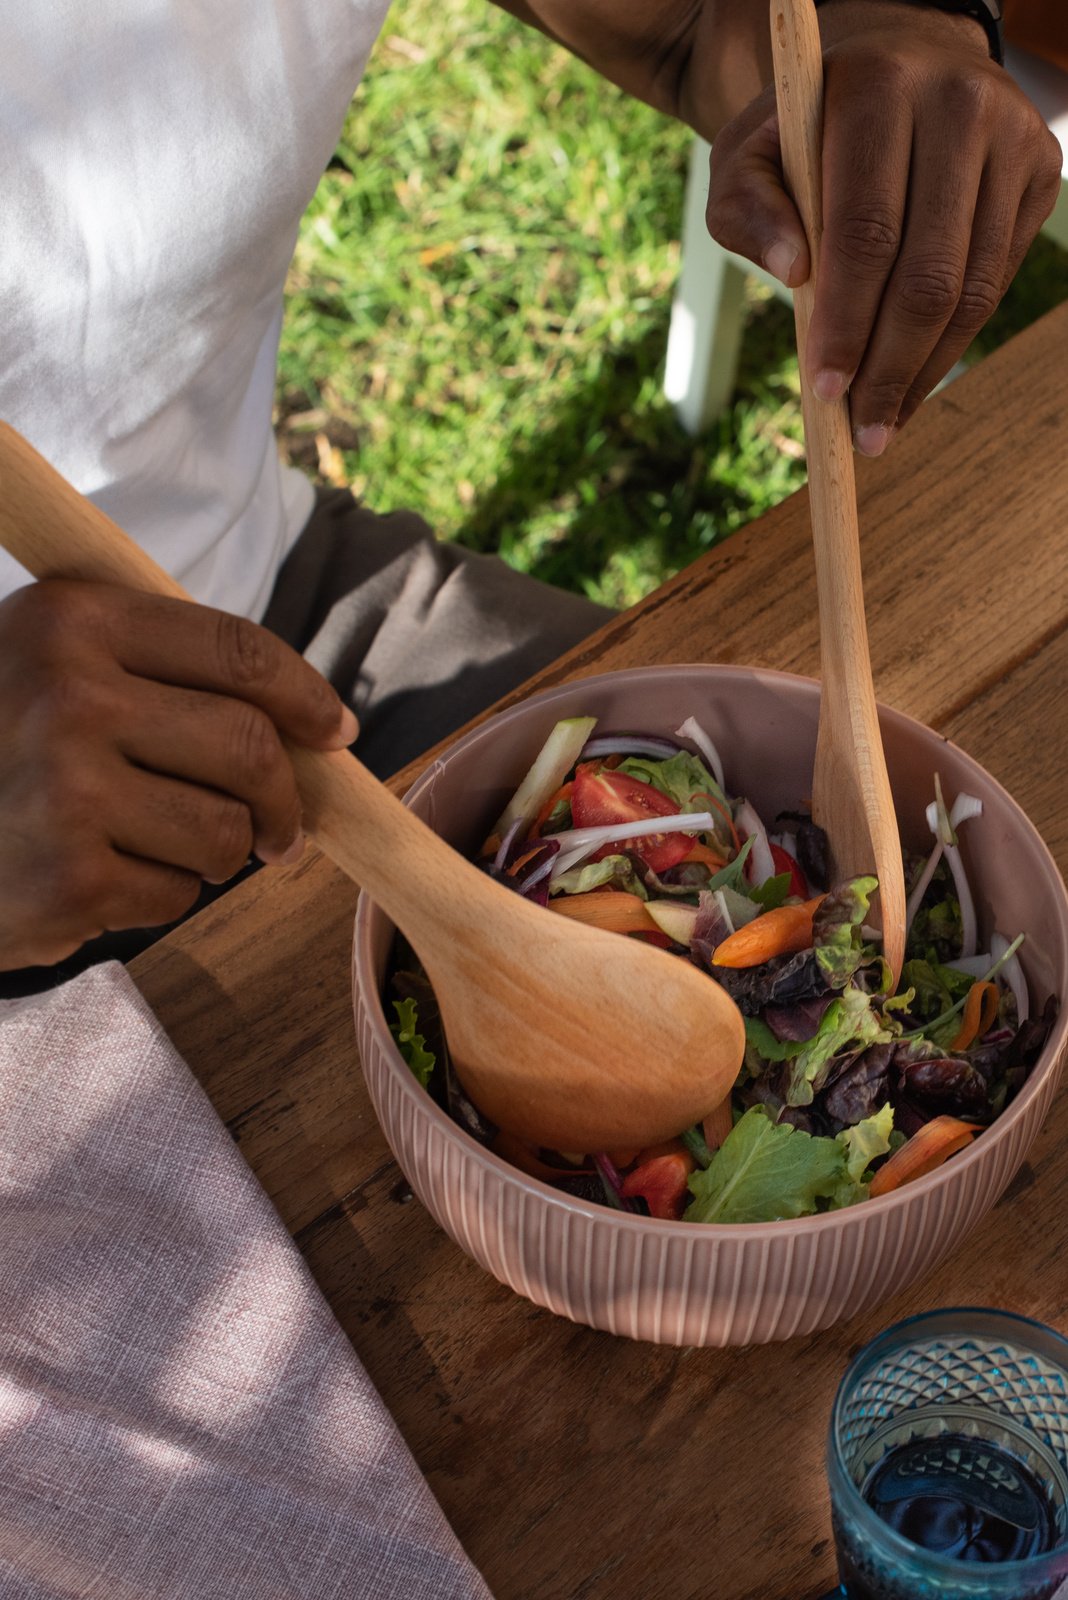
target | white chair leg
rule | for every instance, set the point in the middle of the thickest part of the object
(707, 313)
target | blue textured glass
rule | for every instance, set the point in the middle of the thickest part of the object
(956, 1424)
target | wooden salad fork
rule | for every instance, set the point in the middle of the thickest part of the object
(851, 795)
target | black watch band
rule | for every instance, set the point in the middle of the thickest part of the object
(986, 12)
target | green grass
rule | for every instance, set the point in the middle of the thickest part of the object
(478, 310)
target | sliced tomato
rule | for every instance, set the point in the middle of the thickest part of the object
(600, 798)
(784, 862)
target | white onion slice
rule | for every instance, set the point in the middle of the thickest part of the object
(973, 966)
(692, 730)
(1013, 974)
(964, 807)
(760, 865)
(921, 887)
(969, 930)
(577, 843)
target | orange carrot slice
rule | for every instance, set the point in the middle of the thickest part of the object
(773, 933)
(528, 1160)
(980, 1009)
(563, 793)
(718, 1124)
(612, 909)
(704, 856)
(936, 1141)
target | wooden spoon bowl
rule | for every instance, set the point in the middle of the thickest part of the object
(563, 1035)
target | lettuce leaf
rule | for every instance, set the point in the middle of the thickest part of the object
(412, 1045)
(836, 935)
(849, 1022)
(764, 1171)
(772, 893)
(680, 777)
(618, 870)
(865, 1142)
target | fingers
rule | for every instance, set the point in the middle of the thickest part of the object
(196, 647)
(925, 293)
(232, 751)
(749, 211)
(1001, 238)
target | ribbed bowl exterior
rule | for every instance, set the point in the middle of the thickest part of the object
(676, 1283)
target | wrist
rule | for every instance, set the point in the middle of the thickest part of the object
(841, 19)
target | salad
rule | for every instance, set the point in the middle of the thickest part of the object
(849, 1087)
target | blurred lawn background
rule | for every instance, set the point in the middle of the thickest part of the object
(478, 312)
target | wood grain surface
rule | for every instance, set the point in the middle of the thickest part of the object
(573, 1465)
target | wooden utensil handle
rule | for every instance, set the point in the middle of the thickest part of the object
(54, 531)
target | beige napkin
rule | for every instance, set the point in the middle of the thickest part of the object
(180, 1414)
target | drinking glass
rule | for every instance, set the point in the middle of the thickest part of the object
(956, 1424)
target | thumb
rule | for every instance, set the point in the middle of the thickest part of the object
(749, 210)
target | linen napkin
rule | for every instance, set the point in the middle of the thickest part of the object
(180, 1414)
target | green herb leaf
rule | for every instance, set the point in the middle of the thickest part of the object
(766, 1170)
(772, 893)
(411, 1044)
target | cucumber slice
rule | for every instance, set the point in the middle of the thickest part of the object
(677, 921)
(553, 763)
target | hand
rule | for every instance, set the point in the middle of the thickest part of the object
(937, 174)
(140, 754)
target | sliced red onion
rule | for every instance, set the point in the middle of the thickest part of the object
(760, 866)
(692, 730)
(612, 1179)
(576, 844)
(506, 844)
(539, 868)
(629, 744)
(1013, 974)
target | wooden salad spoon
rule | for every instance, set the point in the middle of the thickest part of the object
(563, 1035)
(851, 795)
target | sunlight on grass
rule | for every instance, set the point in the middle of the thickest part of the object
(478, 312)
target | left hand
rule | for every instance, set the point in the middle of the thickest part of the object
(937, 174)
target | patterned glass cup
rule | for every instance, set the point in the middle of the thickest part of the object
(955, 1425)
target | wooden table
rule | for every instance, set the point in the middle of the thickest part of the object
(574, 1465)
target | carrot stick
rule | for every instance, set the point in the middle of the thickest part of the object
(935, 1142)
(704, 856)
(980, 1009)
(528, 1160)
(563, 793)
(718, 805)
(612, 909)
(773, 933)
(718, 1124)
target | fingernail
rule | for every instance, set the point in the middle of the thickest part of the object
(873, 440)
(829, 384)
(349, 726)
(780, 258)
(294, 853)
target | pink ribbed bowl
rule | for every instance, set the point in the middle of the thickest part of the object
(681, 1283)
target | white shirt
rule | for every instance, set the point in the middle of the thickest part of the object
(155, 159)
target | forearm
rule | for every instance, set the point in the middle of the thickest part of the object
(660, 50)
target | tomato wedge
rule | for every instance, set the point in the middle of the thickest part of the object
(600, 798)
(784, 862)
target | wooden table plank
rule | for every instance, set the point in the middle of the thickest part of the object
(573, 1464)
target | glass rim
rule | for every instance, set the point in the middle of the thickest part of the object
(870, 1522)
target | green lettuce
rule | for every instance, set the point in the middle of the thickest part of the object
(849, 1023)
(836, 935)
(618, 870)
(680, 777)
(764, 1171)
(412, 1045)
(772, 893)
(866, 1141)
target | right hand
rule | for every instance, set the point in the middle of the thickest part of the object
(140, 754)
